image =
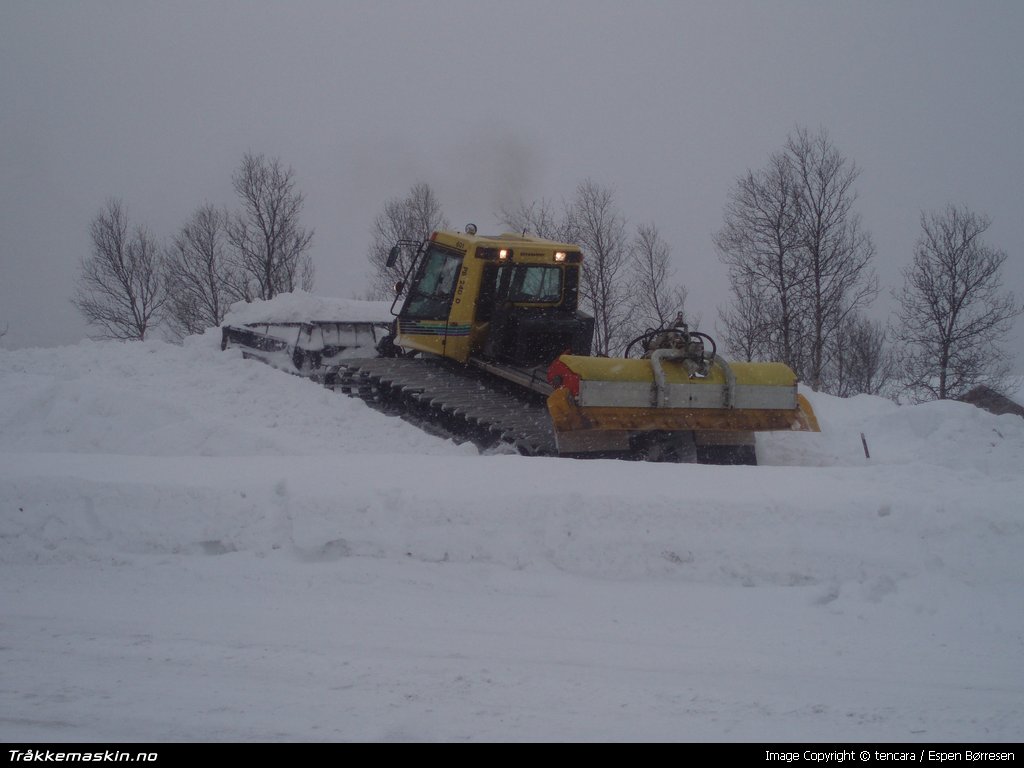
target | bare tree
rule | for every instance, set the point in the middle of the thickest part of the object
(600, 230)
(746, 321)
(760, 243)
(538, 219)
(835, 249)
(413, 217)
(202, 281)
(863, 362)
(792, 240)
(953, 312)
(120, 288)
(270, 246)
(655, 299)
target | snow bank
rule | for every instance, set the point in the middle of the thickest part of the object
(947, 434)
(252, 441)
(161, 399)
(194, 546)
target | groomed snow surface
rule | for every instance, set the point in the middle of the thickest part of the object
(196, 547)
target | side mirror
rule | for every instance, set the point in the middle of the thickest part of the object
(393, 255)
(399, 287)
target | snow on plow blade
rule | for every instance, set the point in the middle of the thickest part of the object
(604, 405)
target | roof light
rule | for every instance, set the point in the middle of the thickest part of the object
(559, 255)
(492, 254)
(471, 229)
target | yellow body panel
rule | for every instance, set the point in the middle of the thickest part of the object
(453, 336)
(587, 430)
(605, 427)
(462, 334)
(623, 369)
(568, 416)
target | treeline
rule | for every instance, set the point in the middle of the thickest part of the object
(799, 260)
(801, 277)
(130, 284)
(801, 280)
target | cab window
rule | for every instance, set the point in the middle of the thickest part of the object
(430, 297)
(535, 284)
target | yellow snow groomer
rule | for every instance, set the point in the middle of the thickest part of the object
(490, 332)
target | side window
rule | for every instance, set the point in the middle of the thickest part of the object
(536, 285)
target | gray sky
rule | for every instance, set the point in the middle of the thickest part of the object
(666, 102)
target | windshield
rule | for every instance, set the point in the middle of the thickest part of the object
(430, 297)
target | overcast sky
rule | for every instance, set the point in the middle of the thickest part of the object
(489, 102)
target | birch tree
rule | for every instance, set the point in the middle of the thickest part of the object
(953, 309)
(760, 243)
(202, 281)
(270, 246)
(120, 289)
(798, 254)
(600, 230)
(413, 217)
(835, 250)
(656, 299)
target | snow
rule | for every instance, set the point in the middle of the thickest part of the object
(299, 306)
(196, 547)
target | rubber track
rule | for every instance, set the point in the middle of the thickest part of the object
(450, 400)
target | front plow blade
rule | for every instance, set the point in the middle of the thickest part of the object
(618, 406)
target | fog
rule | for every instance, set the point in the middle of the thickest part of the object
(667, 103)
